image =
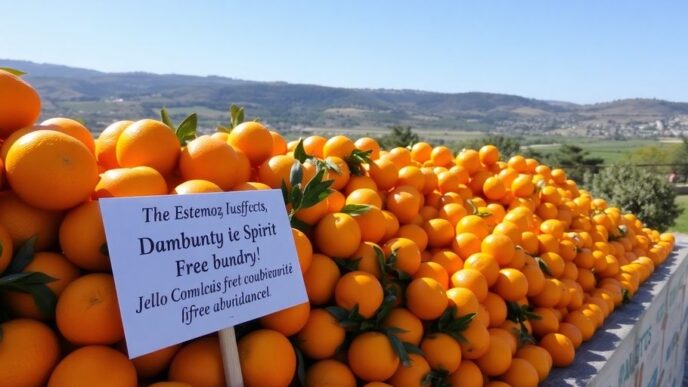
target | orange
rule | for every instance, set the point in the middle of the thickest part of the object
(548, 322)
(196, 186)
(404, 202)
(29, 350)
(51, 264)
(257, 351)
(521, 374)
(535, 277)
(365, 196)
(20, 104)
(466, 244)
(106, 144)
(329, 373)
(279, 144)
(94, 365)
(496, 307)
(254, 139)
(550, 295)
(37, 158)
(584, 323)
(465, 301)
(242, 169)
(441, 156)
(369, 144)
(415, 233)
(73, 129)
(340, 178)
(522, 186)
(335, 202)
(275, 170)
(412, 376)
(154, 363)
(453, 212)
(469, 159)
(511, 285)
(313, 145)
(493, 188)
(421, 152)
(82, 237)
(337, 235)
(538, 357)
(506, 335)
(199, 363)
(467, 375)
(559, 347)
(501, 247)
(477, 340)
(442, 352)
(136, 181)
(22, 222)
(339, 146)
(6, 248)
(555, 263)
(488, 154)
(287, 321)
(408, 322)
(448, 182)
(497, 359)
(371, 357)
(321, 336)
(361, 289)
(355, 182)
(435, 271)
(408, 257)
(87, 311)
(208, 158)
(399, 156)
(304, 249)
(485, 264)
(440, 232)
(425, 298)
(449, 260)
(472, 280)
(384, 172)
(473, 224)
(148, 143)
(321, 279)
(412, 176)
(572, 332)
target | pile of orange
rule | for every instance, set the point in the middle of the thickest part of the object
(422, 267)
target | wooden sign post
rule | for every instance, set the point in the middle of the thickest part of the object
(189, 265)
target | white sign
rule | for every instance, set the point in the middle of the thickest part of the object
(189, 265)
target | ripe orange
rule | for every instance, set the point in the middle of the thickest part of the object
(136, 181)
(106, 144)
(465, 301)
(20, 104)
(559, 347)
(415, 233)
(572, 332)
(413, 375)
(466, 244)
(196, 186)
(494, 188)
(511, 285)
(329, 373)
(412, 176)
(488, 154)
(368, 144)
(496, 307)
(304, 249)
(94, 365)
(425, 298)
(51, 264)
(87, 311)
(485, 264)
(435, 271)
(441, 156)
(82, 237)
(467, 375)
(199, 363)
(279, 145)
(408, 256)
(449, 260)
(501, 247)
(521, 374)
(411, 325)
(361, 289)
(548, 322)
(365, 196)
(399, 156)
(34, 161)
(154, 363)
(321, 279)
(384, 172)
(583, 322)
(538, 357)
(257, 351)
(550, 295)
(497, 359)
(469, 159)
(340, 146)
(421, 152)
(287, 321)
(477, 340)
(22, 222)
(404, 202)
(472, 280)
(254, 139)
(472, 224)
(211, 159)
(321, 336)
(148, 143)
(371, 357)
(337, 235)
(74, 129)
(313, 145)
(440, 232)
(29, 350)
(442, 352)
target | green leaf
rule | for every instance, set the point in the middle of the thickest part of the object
(296, 197)
(299, 225)
(166, 119)
(187, 129)
(236, 115)
(332, 166)
(355, 209)
(23, 256)
(356, 160)
(285, 192)
(300, 152)
(296, 173)
(347, 265)
(340, 314)
(33, 283)
(400, 350)
(472, 206)
(12, 71)
(543, 266)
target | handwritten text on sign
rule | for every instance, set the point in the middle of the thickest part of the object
(189, 265)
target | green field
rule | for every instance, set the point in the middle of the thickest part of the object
(610, 151)
(682, 221)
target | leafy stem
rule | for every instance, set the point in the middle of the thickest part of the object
(186, 131)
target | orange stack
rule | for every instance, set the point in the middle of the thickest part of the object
(422, 267)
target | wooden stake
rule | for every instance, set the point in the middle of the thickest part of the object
(230, 358)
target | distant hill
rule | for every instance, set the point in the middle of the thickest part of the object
(100, 98)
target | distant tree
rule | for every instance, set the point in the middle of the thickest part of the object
(399, 136)
(508, 146)
(653, 155)
(649, 196)
(681, 157)
(575, 160)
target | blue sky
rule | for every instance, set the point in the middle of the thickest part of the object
(579, 51)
